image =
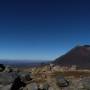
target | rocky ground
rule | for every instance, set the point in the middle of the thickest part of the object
(43, 78)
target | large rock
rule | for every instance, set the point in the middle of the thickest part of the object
(25, 76)
(43, 86)
(31, 86)
(17, 84)
(7, 78)
(2, 67)
(6, 87)
(62, 82)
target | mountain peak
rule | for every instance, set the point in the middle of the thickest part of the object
(79, 55)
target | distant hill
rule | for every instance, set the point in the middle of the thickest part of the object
(79, 55)
(24, 63)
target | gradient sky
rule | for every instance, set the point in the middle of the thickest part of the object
(42, 29)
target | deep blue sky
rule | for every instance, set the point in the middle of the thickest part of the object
(42, 29)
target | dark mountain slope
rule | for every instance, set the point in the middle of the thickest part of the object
(80, 56)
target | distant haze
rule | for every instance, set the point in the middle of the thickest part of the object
(42, 29)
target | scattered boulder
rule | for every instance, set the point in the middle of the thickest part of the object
(10, 69)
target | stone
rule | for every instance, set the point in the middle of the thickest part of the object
(62, 82)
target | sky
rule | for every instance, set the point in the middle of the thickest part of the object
(42, 29)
